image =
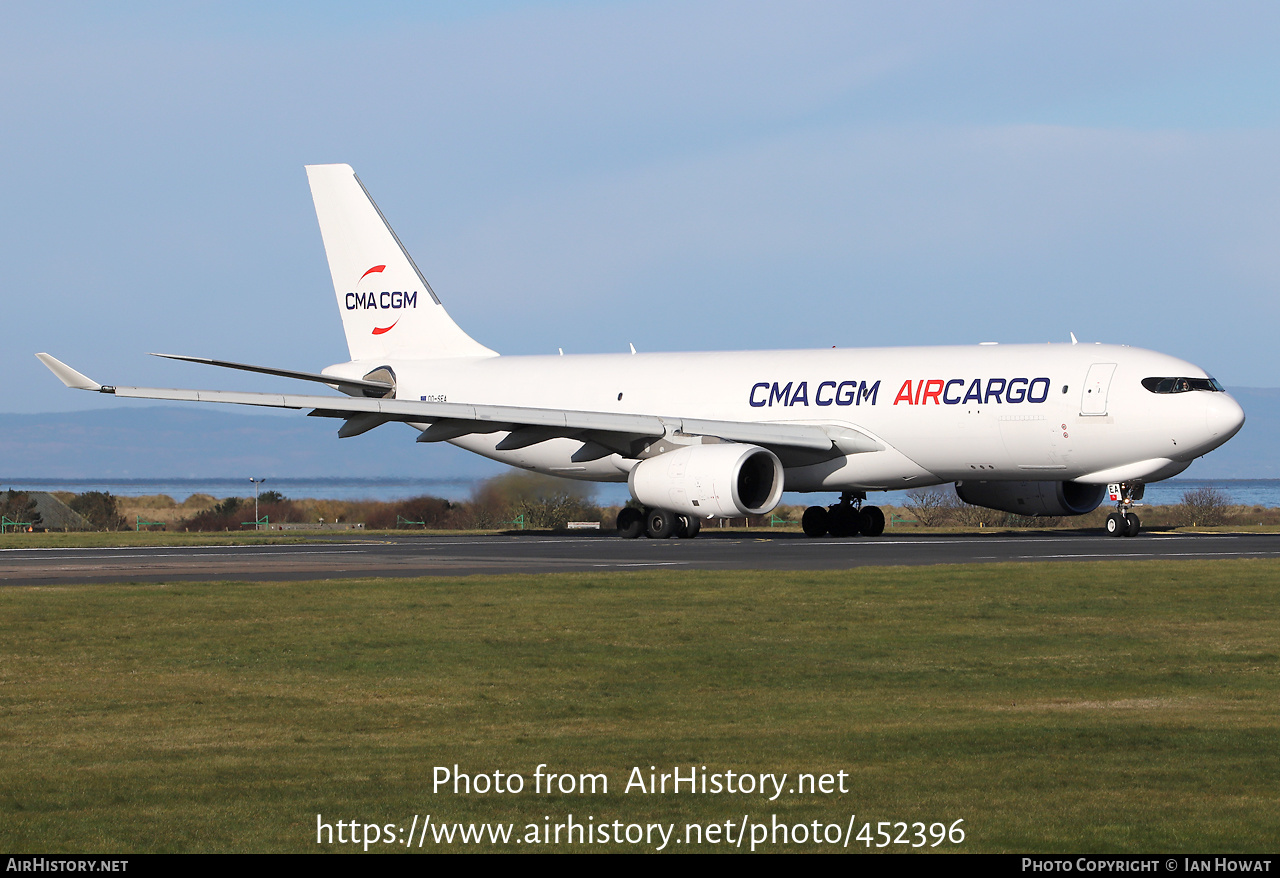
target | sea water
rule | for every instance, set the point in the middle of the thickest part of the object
(1244, 492)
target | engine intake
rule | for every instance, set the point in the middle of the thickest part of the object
(726, 480)
(1033, 498)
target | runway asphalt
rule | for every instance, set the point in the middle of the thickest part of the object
(406, 556)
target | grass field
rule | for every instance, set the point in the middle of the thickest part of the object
(1052, 707)
(146, 538)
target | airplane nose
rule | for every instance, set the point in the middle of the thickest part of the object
(1223, 416)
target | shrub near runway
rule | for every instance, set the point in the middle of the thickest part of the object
(1110, 707)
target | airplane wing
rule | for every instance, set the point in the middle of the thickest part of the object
(601, 432)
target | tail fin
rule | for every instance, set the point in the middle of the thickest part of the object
(388, 309)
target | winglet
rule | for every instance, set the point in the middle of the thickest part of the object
(67, 375)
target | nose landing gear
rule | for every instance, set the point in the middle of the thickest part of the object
(1123, 522)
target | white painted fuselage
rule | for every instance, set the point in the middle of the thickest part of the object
(942, 414)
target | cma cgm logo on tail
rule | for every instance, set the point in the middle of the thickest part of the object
(385, 300)
(939, 391)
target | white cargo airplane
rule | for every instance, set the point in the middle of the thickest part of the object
(1032, 429)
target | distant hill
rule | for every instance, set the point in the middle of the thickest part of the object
(217, 442)
(225, 442)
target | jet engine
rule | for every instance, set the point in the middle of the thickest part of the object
(726, 480)
(1033, 498)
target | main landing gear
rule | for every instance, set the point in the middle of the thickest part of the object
(657, 524)
(1122, 522)
(847, 518)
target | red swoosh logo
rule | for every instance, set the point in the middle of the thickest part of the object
(378, 330)
(376, 269)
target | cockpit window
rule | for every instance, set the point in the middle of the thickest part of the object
(1181, 385)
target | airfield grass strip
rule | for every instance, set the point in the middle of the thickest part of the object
(129, 539)
(1054, 707)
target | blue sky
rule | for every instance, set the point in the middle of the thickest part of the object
(687, 175)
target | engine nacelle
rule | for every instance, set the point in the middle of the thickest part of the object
(726, 480)
(1033, 498)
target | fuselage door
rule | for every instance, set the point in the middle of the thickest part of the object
(1093, 401)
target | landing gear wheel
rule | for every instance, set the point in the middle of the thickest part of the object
(1122, 522)
(814, 521)
(688, 527)
(1131, 525)
(842, 521)
(872, 521)
(630, 523)
(660, 524)
(1116, 525)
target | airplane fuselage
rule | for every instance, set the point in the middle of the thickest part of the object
(941, 414)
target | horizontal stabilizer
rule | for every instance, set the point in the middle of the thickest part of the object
(355, 386)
